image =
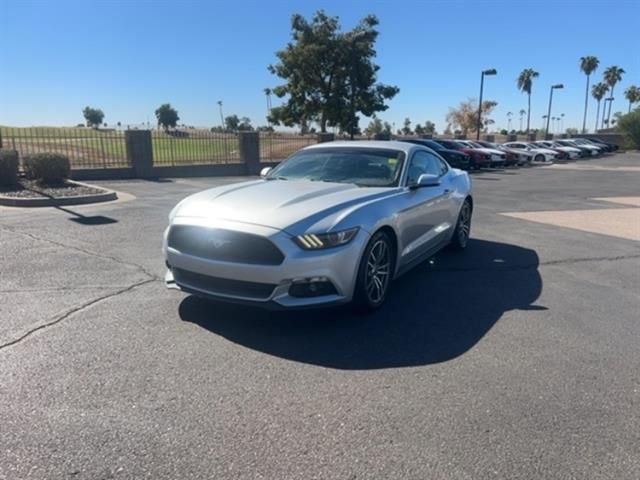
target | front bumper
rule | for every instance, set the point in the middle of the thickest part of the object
(265, 285)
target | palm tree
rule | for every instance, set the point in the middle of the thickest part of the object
(612, 75)
(598, 91)
(588, 65)
(509, 115)
(221, 116)
(632, 93)
(522, 112)
(525, 82)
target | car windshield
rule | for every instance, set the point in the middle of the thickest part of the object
(433, 145)
(365, 167)
(475, 145)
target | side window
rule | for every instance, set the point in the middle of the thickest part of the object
(424, 162)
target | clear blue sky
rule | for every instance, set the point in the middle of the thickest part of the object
(127, 57)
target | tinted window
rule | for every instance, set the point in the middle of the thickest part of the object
(365, 167)
(424, 162)
(434, 145)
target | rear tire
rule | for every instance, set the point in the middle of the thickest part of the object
(375, 272)
(539, 158)
(462, 232)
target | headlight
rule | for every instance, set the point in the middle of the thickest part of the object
(318, 241)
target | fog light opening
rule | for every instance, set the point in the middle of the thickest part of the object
(312, 287)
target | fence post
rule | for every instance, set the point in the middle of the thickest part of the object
(249, 143)
(0, 138)
(139, 152)
(326, 137)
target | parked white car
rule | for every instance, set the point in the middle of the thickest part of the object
(498, 158)
(571, 151)
(590, 150)
(586, 143)
(540, 154)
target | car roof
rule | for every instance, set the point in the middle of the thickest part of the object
(405, 147)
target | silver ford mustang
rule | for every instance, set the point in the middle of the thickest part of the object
(334, 223)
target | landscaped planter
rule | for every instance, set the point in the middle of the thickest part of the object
(28, 193)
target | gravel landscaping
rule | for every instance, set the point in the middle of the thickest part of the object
(33, 189)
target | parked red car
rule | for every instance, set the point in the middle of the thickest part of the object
(478, 159)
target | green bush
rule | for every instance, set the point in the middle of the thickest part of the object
(8, 167)
(630, 125)
(47, 168)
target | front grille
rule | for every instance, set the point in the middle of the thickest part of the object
(224, 245)
(222, 286)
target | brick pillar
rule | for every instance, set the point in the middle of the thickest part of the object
(250, 151)
(531, 137)
(512, 138)
(460, 136)
(326, 137)
(139, 152)
(490, 138)
(382, 136)
(427, 136)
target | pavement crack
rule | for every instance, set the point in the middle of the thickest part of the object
(140, 268)
(56, 320)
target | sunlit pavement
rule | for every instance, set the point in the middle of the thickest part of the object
(518, 358)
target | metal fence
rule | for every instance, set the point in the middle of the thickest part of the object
(189, 147)
(85, 147)
(275, 146)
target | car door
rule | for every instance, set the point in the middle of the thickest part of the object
(423, 220)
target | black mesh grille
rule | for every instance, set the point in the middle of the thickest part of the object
(223, 286)
(224, 245)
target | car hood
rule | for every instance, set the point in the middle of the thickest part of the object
(490, 151)
(290, 205)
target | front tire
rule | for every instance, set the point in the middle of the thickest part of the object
(539, 158)
(374, 273)
(463, 227)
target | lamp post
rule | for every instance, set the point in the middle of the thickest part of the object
(553, 87)
(490, 71)
(562, 123)
(544, 117)
(509, 114)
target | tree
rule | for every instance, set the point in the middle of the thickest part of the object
(406, 126)
(429, 127)
(93, 116)
(327, 72)
(245, 124)
(465, 116)
(588, 65)
(374, 128)
(525, 82)
(231, 122)
(522, 113)
(598, 91)
(612, 75)
(167, 116)
(419, 130)
(571, 131)
(632, 94)
(629, 124)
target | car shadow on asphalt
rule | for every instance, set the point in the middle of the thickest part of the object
(434, 313)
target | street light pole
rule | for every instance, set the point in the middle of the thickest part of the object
(553, 87)
(221, 116)
(491, 71)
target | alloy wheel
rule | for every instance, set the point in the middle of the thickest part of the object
(378, 271)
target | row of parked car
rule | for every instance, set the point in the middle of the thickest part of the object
(475, 154)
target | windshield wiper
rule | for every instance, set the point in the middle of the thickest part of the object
(276, 178)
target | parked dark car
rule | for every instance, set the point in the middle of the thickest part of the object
(611, 147)
(478, 159)
(454, 158)
(513, 157)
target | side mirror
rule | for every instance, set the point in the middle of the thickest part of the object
(265, 171)
(426, 180)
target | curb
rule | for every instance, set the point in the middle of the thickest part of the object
(106, 196)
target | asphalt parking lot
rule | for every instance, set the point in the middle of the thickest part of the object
(519, 358)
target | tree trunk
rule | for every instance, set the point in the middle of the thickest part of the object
(586, 104)
(528, 112)
(323, 122)
(597, 117)
(610, 105)
(604, 114)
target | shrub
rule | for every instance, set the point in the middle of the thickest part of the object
(48, 168)
(630, 125)
(8, 167)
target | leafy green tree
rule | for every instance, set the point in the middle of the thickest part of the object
(231, 122)
(328, 71)
(167, 116)
(525, 83)
(598, 91)
(429, 127)
(374, 128)
(406, 126)
(632, 94)
(93, 116)
(612, 75)
(418, 129)
(588, 65)
(245, 124)
(629, 124)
